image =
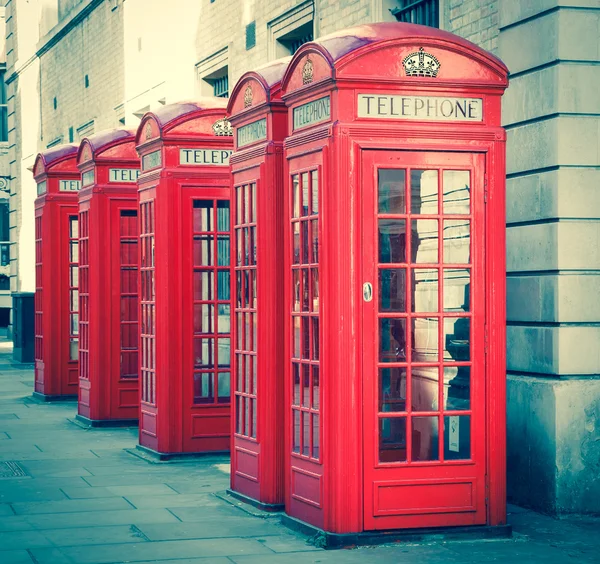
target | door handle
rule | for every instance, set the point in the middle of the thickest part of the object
(367, 291)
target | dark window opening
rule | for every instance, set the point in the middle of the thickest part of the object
(250, 35)
(424, 12)
(295, 39)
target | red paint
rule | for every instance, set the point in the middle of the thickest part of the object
(108, 278)
(260, 120)
(56, 232)
(184, 279)
(382, 442)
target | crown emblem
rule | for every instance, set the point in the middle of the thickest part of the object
(248, 96)
(421, 64)
(222, 128)
(148, 131)
(307, 72)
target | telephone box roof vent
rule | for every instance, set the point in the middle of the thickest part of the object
(168, 117)
(100, 144)
(343, 49)
(56, 158)
(269, 76)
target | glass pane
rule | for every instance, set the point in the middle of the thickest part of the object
(295, 196)
(225, 352)
(74, 276)
(315, 435)
(315, 240)
(74, 349)
(74, 228)
(306, 385)
(246, 237)
(296, 321)
(223, 257)
(296, 290)
(247, 416)
(457, 338)
(74, 255)
(238, 415)
(204, 353)
(315, 289)
(457, 238)
(203, 285)
(222, 216)
(315, 387)
(296, 383)
(203, 387)
(424, 388)
(296, 423)
(425, 290)
(240, 245)
(239, 217)
(223, 285)
(247, 209)
(392, 389)
(315, 337)
(223, 318)
(203, 318)
(305, 289)
(240, 373)
(457, 284)
(296, 243)
(315, 192)
(457, 191)
(203, 250)
(253, 198)
(239, 288)
(253, 405)
(424, 241)
(425, 438)
(202, 215)
(248, 375)
(457, 388)
(392, 439)
(305, 434)
(392, 289)
(425, 345)
(74, 300)
(254, 373)
(305, 339)
(305, 195)
(424, 191)
(457, 437)
(392, 190)
(392, 240)
(224, 387)
(392, 340)
(305, 241)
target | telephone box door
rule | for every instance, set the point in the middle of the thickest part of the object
(424, 337)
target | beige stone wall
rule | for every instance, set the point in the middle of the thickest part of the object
(475, 20)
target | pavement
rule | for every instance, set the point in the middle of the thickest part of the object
(73, 495)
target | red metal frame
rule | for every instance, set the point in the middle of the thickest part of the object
(185, 269)
(379, 467)
(56, 247)
(108, 281)
(259, 118)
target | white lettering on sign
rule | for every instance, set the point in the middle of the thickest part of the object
(255, 131)
(434, 108)
(152, 160)
(71, 185)
(313, 112)
(215, 157)
(41, 188)
(123, 174)
(453, 433)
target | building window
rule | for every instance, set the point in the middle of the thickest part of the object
(221, 86)
(424, 12)
(4, 246)
(85, 130)
(3, 108)
(291, 29)
(213, 74)
(250, 35)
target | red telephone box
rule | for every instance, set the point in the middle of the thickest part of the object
(56, 273)
(259, 117)
(395, 283)
(108, 279)
(185, 271)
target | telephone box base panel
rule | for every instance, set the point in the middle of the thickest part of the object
(37, 396)
(106, 422)
(268, 507)
(155, 456)
(324, 539)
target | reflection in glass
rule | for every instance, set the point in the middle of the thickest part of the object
(392, 190)
(305, 289)
(204, 353)
(315, 240)
(222, 215)
(315, 289)
(392, 389)
(223, 255)
(306, 385)
(425, 345)
(392, 340)
(392, 289)
(425, 438)
(305, 241)
(240, 372)
(74, 228)
(305, 433)
(247, 210)
(203, 250)
(203, 318)
(296, 239)
(224, 387)
(305, 339)
(457, 388)
(224, 352)
(424, 388)
(424, 241)
(457, 283)
(305, 194)
(74, 349)
(240, 245)
(315, 435)
(202, 215)
(392, 439)
(315, 338)
(392, 241)
(315, 387)
(295, 196)
(457, 191)
(203, 285)
(457, 238)
(239, 218)
(203, 387)
(297, 321)
(457, 338)
(296, 383)
(424, 191)
(223, 318)
(457, 437)
(296, 443)
(425, 294)
(315, 192)
(223, 285)
(74, 256)
(296, 290)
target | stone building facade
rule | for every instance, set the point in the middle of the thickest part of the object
(78, 66)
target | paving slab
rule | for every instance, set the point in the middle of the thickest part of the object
(16, 557)
(19, 539)
(80, 536)
(71, 506)
(168, 501)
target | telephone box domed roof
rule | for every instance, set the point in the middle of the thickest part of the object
(56, 157)
(100, 144)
